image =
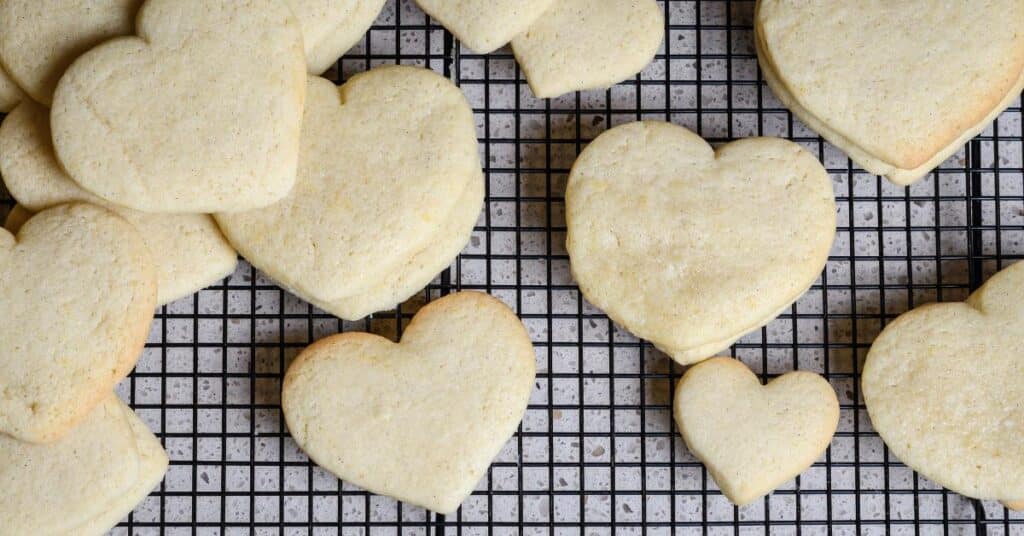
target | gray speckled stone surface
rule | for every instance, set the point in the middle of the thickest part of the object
(597, 453)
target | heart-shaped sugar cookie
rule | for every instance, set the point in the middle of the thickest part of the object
(386, 160)
(84, 483)
(485, 25)
(754, 437)
(924, 79)
(331, 27)
(200, 113)
(40, 38)
(588, 44)
(690, 247)
(189, 250)
(420, 420)
(77, 294)
(944, 386)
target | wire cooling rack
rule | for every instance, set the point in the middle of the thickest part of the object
(597, 452)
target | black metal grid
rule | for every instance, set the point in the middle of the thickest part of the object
(598, 452)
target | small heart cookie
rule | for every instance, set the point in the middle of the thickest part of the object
(331, 27)
(690, 247)
(39, 39)
(944, 386)
(754, 437)
(485, 25)
(386, 160)
(84, 483)
(77, 294)
(189, 249)
(588, 44)
(200, 113)
(924, 80)
(420, 420)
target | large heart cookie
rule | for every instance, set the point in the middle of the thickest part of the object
(485, 25)
(84, 483)
(40, 38)
(924, 79)
(189, 250)
(77, 293)
(385, 165)
(588, 44)
(690, 247)
(944, 386)
(754, 437)
(331, 27)
(420, 420)
(200, 113)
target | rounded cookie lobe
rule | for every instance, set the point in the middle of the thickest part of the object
(39, 39)
(199, 113)
(420, 420)
(944, 387)
(385, 159)
(754, 437)
(189, 250)
(588, 44)
(690, 247)
(77, 294)
(486, 25)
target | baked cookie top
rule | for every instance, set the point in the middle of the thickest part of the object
(899, 81)
(691, 247)
(199, 113)
(944, 386)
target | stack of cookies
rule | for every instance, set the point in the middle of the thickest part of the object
(135, 128)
